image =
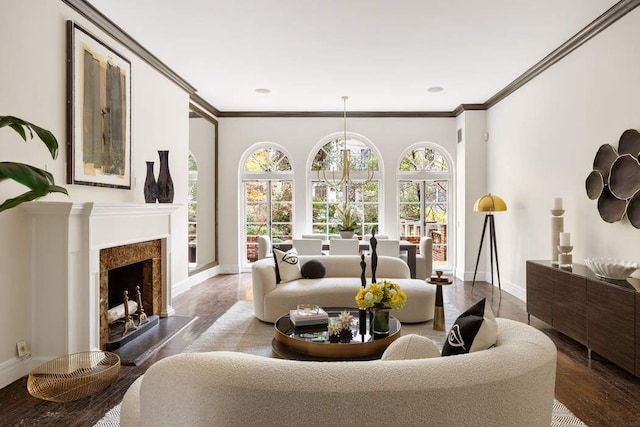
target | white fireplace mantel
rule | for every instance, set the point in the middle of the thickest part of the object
(66, 239)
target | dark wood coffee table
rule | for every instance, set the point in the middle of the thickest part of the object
(313, 343)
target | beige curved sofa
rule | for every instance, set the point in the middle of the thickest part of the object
(511, 384)
(338, 287)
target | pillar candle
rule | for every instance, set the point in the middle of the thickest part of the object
(565, 239)
(557, 203)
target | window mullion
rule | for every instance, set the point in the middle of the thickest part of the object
(269, 207)
(423, 207)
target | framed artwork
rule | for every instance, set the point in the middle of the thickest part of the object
(98, 112)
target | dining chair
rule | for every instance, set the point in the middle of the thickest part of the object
(314, 236)
(367, 237)
(308, 246)
(424, 260)
(264, 247)
(387, 247)
(344, 247)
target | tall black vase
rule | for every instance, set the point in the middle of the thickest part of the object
(165, 183)
(150, 185)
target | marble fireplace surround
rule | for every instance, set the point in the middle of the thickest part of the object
(148, 255)
(66, 241)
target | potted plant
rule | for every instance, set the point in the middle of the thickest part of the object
(348, 220)
(40, 182)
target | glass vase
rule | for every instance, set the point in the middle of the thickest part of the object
(380, 322)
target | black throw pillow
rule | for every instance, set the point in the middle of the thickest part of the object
(475, 329)
(313, 269)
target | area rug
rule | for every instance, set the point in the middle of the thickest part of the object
(239, 330)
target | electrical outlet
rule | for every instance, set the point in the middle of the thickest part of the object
(23, 349)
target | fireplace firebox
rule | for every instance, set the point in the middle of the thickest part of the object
(129, 268)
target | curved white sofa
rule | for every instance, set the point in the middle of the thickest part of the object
(338, 287)
(511, 384)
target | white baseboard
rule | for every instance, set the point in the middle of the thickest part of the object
(230, 269)
(15, 368)
(484, 276)
(191, 281)
(515, 290)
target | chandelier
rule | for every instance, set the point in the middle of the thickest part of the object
(335, 173)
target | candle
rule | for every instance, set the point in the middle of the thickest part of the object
(557, 203)
(565, 239)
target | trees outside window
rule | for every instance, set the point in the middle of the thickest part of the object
(424, 197)
(192, 208)
(268, 198)
(327, 192)
(326, 199)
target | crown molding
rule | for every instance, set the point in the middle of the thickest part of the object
(351, 114)
(616, 12)
(105, 24)
(609, 17)
(468, 107)
(200, 101)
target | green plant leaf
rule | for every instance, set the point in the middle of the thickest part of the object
(40, 182)
(18, 128)
(48, 139)
(20, 125)
(28, 175)
(29, 196)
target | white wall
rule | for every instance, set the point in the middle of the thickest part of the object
(543, 139)
(471, 184)
(32, 84)
(299, 136)
(202, 140)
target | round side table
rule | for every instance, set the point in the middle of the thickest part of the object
(438, 315)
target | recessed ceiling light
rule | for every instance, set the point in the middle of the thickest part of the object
(435, 89)
(263, 90)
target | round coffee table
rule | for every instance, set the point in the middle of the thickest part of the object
(309, 343)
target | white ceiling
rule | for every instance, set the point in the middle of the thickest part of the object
(382, 54)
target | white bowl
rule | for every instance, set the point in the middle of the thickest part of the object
(611, 268)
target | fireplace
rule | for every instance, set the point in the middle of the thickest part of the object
(73, 245)
(127, 267)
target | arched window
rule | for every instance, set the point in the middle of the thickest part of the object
(192, 207)
(424, 189)
(267, 186)
(329, 191)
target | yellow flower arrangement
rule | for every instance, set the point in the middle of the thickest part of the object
(381, 295)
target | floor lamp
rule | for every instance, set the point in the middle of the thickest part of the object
(489, 203)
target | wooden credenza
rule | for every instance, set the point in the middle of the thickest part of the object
(602, 314)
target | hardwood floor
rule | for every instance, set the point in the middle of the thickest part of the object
(603, 395)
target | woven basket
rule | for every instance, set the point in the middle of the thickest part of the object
(74, 376)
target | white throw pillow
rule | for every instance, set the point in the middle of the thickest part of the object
(287, 265)
(411, 346)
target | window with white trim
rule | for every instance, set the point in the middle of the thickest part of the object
(328, 192)
(267, 181)
(424, 183)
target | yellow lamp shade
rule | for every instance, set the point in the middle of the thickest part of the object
(490, 203)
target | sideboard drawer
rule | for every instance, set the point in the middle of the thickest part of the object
(611, 323)
(570, 305)
(540, 292)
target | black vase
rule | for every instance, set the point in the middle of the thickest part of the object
(150, 185)
(165, 183)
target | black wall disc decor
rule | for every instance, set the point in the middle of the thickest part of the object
(615, 179)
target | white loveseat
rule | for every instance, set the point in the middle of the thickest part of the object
(338, 287)
(511, 384)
